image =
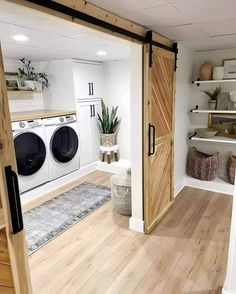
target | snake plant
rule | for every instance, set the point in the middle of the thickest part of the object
(108, 122)
(213, 95)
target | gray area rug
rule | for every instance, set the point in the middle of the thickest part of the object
(50, 219)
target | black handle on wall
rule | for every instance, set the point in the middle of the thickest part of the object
(151, 143)
(14, 200)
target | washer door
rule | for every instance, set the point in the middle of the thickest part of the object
(30, 153)
(64, 144)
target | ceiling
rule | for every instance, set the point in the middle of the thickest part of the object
(198, 24)
(53, 38)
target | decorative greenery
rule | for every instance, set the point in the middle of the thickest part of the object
(213, 95)
(28, 73)
(108, 123)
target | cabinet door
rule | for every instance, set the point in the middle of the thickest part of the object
(84, 113)
(95, 132)
(88, 80)
(14, 271)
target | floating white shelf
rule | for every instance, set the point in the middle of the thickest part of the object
(23, 91)
(213, 111)
(214, 81)
(216, 139)
(218, 185)
(2, 223)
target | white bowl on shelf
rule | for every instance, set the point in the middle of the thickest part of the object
(232, 96)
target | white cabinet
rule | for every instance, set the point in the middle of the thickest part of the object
(88, 80)
(89, 133)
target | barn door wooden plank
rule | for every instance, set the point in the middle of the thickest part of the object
(159, 83)
(18, 269)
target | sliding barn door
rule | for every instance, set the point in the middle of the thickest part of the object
(159, 77)
(14, 273)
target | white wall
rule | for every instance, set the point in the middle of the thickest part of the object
(230, 281)
(22, 101)
(136, 95)
(60, 93)
(184, 76)
(116, 91)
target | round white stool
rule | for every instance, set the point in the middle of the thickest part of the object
(108, 150)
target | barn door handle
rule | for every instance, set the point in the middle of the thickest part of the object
(151, 143)
(14, 200)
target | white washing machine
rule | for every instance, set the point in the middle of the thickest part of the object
(31, 157)
(62, 145)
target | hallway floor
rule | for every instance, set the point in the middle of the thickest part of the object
(186, 253)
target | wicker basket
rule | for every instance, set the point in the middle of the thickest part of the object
(121, 193)
(108, 140)
(203, 166)
(230, 168)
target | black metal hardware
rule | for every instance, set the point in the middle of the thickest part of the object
(149, 41)
(175, 49)
(73, 13)
(198, 84)
(151, 147)
(92, 89)
(14, 200)
(94, 110)
(196, 108)
(193, 135)
(91, 110)
(89, 89)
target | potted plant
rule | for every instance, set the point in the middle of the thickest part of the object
(109, 125)
(35, 80)
(213, 97)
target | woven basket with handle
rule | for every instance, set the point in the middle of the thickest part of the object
(203, 166)
(230, 168)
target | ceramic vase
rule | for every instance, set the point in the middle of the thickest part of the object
(212, 104)
(206, 71)
(218, 73)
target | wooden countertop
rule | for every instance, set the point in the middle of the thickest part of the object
(44, 113)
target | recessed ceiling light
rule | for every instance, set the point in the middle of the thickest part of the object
(101, 53)
(20, 38)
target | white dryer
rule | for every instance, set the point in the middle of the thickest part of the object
(62, 145)
(31, 157)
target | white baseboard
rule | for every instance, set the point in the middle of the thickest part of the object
(218, 185)
(136, 224)
(46, 188)
(178, 189)
(225, 292)
(114, 167)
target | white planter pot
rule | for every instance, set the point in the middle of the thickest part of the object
(218, 73)
(34, 85)
(212, 104)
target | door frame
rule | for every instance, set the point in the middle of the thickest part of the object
(17, 249)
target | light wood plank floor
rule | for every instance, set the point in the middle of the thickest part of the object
(186, 253)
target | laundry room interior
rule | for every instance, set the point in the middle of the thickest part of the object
(60, 80)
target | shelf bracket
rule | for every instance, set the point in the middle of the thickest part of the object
(196, 108)
(198, 84)
(193, 135)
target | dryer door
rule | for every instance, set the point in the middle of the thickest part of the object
(64, 144)
(30, 153)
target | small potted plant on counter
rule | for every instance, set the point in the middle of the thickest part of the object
(109, 125)
(34, 80)
(213, 97)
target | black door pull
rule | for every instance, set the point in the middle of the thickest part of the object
(14, 200)
(151, 139)
(91, 110)
(89, 84)
(92, 89)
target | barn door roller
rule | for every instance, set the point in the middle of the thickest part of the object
(149, 40)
